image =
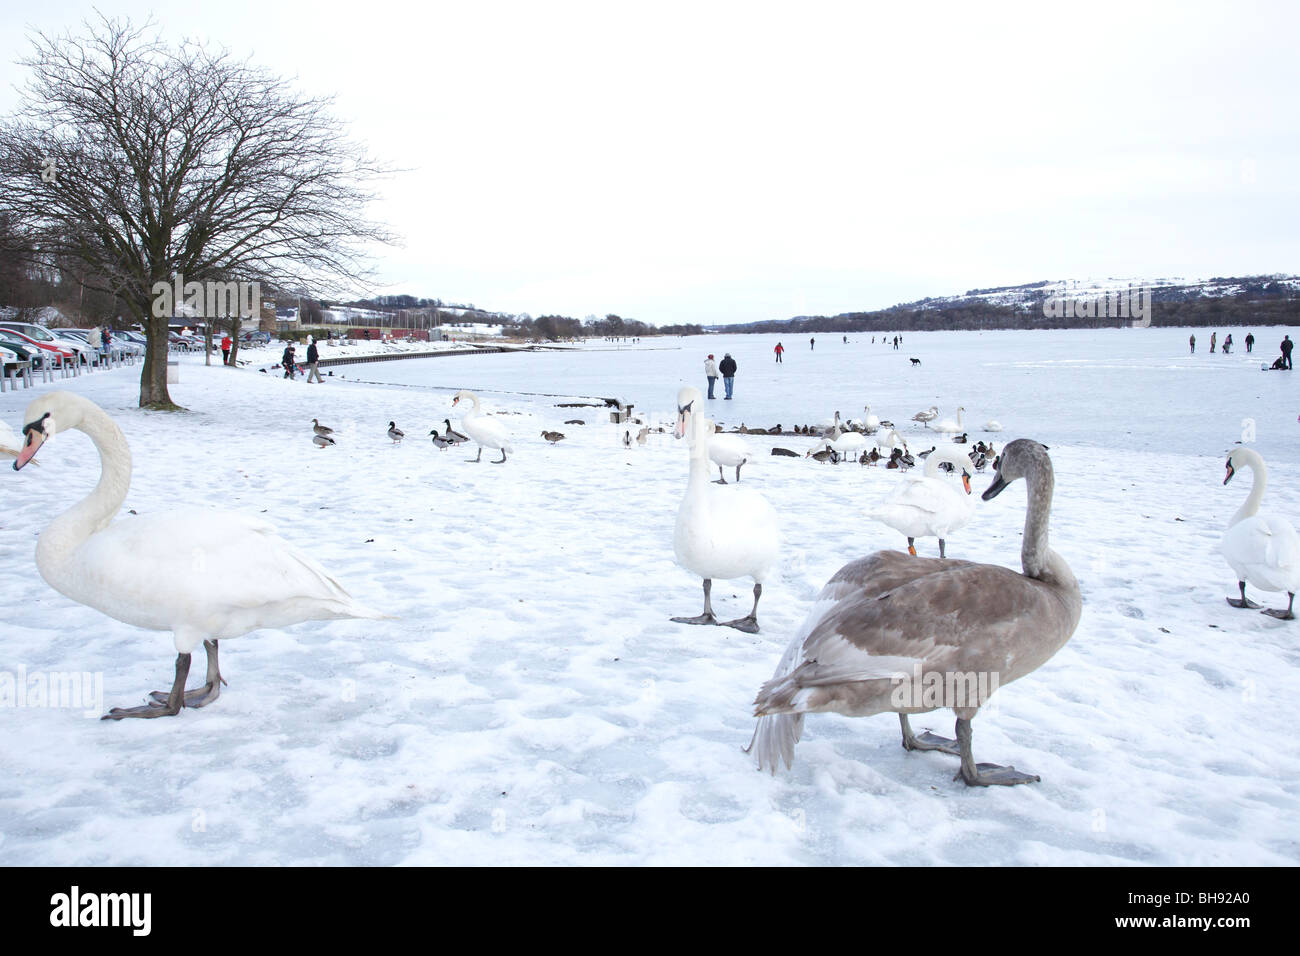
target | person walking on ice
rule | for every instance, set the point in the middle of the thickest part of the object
(779, 350)
(711, 373)
(1191, 343)
(728, 370)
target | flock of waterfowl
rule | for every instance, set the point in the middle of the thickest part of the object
(882, 623)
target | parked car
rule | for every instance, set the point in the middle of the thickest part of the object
(256, 338)
(56, 353)
(81, 351)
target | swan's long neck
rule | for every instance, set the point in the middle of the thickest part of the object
(1034, 552)
(96, 511)
(1251, 505)
(698, 476)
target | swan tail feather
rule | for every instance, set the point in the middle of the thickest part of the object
(774, 739)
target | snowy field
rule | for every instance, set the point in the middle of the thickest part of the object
(533, 704)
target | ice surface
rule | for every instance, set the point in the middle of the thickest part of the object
(532, 703)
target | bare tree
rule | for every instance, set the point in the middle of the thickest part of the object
(150, 163)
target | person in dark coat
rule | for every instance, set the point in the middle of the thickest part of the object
(1250, 342)
(728, 369)
(812, 344)
(1191, 342)
(1287, 346)
(313, 356)
(287, 360)
(1227, 344)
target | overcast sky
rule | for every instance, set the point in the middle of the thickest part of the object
(724, 162)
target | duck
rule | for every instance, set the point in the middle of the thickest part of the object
(721, 532)
(322, 441)
(728, 451)
(959, 439)
(155, 571)
(553, 437)
(928, 505)
(948, 426)
(438, 441)
(484, 429)
(453, 436)
(870, 458)
(1262, 550)
(892, 633)
(320, 429)
(826, 454)
(927, 416)
(395, 433)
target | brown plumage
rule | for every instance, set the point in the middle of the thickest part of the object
(553, 437)
(886, 625)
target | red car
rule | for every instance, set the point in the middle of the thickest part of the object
(61, 353)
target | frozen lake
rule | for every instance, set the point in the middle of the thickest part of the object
(1119, 389)
(531, 702)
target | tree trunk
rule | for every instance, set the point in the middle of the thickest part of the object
(153, 378)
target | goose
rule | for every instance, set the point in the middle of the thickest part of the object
(553, 437)
(320, 429)
(888, 631)
(725, 533)
(948, 426)
(993, 425)
(929, 505)
(1261, 549)
(438, 441)
(322, 441)
(728, 451)
(453, 436)
(395, 433)
(155, 571)
(484, 429)
(926, 417)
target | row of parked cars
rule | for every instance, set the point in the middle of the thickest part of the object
(28, 342)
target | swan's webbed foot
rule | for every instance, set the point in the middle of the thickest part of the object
(172, 703)
(927, 740)
(1243, 601)
(478, 457)
(1288, 614)
(992, 775)
(707, 618)
(721, 481)
(911, 548)
(747, 624)
(985, 774)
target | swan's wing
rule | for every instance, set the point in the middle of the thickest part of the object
(966, 618)
(216, 569)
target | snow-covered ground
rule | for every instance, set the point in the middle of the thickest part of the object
(532, 703)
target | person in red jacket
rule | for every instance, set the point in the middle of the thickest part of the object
(225, 349)
(779, 350)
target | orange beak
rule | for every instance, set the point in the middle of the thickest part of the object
(34, 441)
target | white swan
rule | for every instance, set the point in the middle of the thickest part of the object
(10, 444)
(848, 445)
(926, 417)
(892, 633)
(721, 532)
(728, 450)
(484, 429)
(203, 575)
(870, 422)
(993, 425)
(929, 505)
(1263, 550)
(888, 439)
(949, 427)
